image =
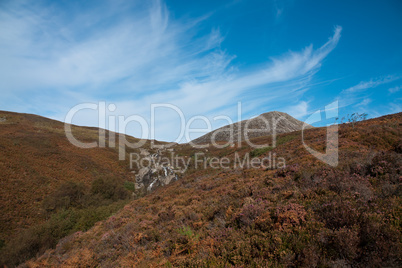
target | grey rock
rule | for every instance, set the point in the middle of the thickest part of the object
(262, 125)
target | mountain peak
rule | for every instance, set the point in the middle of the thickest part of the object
(265, 124)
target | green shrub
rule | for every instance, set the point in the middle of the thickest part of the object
(129, 186)
(88, 217)
(37, 239)
(109, 188)
(284, 139)
(69, 194)
(260, 151)
(188, 241)
(186, 231)
(73, 209)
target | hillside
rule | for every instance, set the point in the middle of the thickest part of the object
(262, 125)
(42, 173)
(306, 214)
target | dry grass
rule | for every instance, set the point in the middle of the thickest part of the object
(306, 215)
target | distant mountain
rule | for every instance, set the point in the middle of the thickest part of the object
(262, 125)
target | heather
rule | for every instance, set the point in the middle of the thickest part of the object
(308, 214)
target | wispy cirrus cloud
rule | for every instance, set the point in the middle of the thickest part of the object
(360, 97)
(43, 49)
(394, 89)
(135, 54)
(299, 110)
(357, 95)
(372, 83)
(364, 102)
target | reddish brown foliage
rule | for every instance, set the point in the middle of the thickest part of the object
(305, 215)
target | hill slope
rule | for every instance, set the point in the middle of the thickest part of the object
(37, 162)
(307, 214)
(262, 125)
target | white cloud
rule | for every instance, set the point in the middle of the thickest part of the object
(357, 95)
(134, 60)
(359, 98)
(364, 102)
(371, 84)
(394, 89)
(298, 111)
(395, 107)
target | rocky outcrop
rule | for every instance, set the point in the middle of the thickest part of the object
(155, 174)
(262, 125)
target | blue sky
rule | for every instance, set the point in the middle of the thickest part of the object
(201, 56)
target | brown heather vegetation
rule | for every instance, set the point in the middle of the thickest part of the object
(308, 214)
(50, 188)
